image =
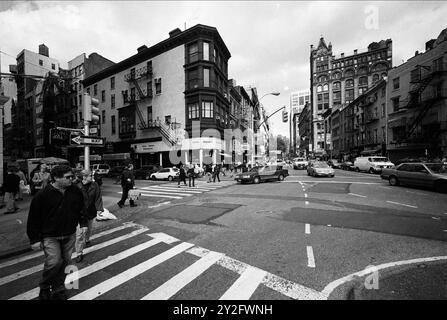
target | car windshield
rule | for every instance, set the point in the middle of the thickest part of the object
(321, 165)
(379, 159)
(437, 167)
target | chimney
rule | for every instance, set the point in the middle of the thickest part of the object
(174, 32)
(355, 51)
(429, 44)
(416, 53)
(43, 50)
(143, 47)
(342, 54)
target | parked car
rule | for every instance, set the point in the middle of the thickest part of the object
(101, 169)
(166, 173)
(299, 163)
(334, 164)
(262, 173)
(431, 175)
(145, 171)
(372, 164)
(115, 172)
(346, 165)
(320, 169)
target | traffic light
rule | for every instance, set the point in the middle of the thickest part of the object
(285, 116)
(91, 109)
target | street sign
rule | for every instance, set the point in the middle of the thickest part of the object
(89, 141)
(94, 130)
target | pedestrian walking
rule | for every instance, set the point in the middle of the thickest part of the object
(182, 175)
(93, 206)
(191, 175)
(127, 183)
(41, 178)
(53, 216)
(23, 181)
(97, 178)
(216, 173)
(11, 187)
(209, 172)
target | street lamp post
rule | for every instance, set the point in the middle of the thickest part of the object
(3, 100)
(256, 127)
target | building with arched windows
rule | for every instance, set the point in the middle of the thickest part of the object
(338, 80)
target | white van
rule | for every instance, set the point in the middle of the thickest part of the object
(372, 164)
(102, 169)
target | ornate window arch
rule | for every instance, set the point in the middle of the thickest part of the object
(363, 71)
(349, 73)
(319, 88)
(380, 66)
(323, 78)
(325, 87)
(336, 75)
(349, 83)
(363, 81)
(336, 85)
(375, 78)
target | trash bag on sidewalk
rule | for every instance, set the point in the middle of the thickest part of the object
(105, 215)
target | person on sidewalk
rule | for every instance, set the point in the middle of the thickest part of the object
(21, 175)
(93, 204)
(53, 216)
(191, 175)
(182, 175)
(11, 187)
(41, 178)
(127, 183)
(209, 172)
(216, 173)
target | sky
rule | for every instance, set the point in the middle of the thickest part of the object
(269, 41)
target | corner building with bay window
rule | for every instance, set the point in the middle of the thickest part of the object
(148, 102)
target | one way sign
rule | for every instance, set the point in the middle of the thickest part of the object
(89, 141)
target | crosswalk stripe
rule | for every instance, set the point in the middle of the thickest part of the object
(40, 253)
(131, 273)
(157, 238)
(245, 285)
(179, 281)
(29, 271)
(172, 189)
(157, 196)
(196, 188)
(168, 193)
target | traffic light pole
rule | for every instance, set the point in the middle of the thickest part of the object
(86, 148)
(270, 116)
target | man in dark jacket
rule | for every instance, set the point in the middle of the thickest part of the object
(93, 204)
(127, 183)
(54, 214)
(11, 187)
(182, 175)
(191, 175)
(216, 173)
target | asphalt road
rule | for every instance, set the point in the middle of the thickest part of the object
(303, 238)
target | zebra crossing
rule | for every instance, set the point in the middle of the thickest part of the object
(130, 262)
(172, 191)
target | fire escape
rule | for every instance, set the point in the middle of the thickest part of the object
(423, 96)
(133, 78)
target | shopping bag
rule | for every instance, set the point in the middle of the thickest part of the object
(134, 194)
(24, 188)
(105, 215)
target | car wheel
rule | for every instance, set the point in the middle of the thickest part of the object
(170, 178)
(357, 169)
(394, 181)
(154, 178)
(371, 170)
(281, 177)
(256, 180)
(441, 186)
(147, 177)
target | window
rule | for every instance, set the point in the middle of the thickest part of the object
(326, 96)
(193, 52)
(88, 91)
(383, 134)
(193, 111)
(214, 55)
(395, 102)
(113, 125)
(103, 115)
(149, 114)
(396, 83)
(40, 62)
(132, 94)
(95, 90)
(80, 100)
(207, 109)
(325, 87)
(349, 83)
(375, 78)
(383, 92)
(362, 90)
(319, 88)
(158, 86)
(112, 83)
(319, 97)
(349, 95)
(337, 75)
(349, 73)
(301, 101)
(193, 78)
(206, 77)
(337, 95)
(363, 81)
(206, 51)
(112, 101)
(383, 110)
(53, 66)
(336, 85)
(168, 119)
(80, 116)
(103, 96)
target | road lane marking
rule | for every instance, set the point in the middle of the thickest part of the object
(306, 202)
(310, 257)
(153, 195)
(336, 283)
(29, 271)
(307, 228)
(305, 195)
(419, 193)
(179, 281)
(131, 273)
(402, 204)
(171, 189)
(93, 237)
(357, 195)
(244, 287)
(436, 218)
(321, 181)
(157, 238)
